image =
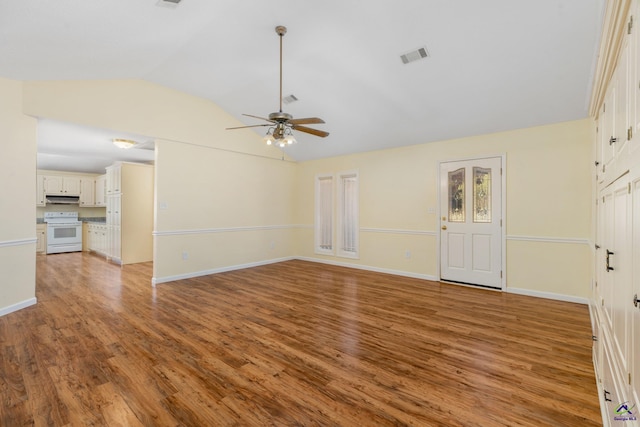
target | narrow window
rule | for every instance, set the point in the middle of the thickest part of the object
(348, 213)
(324, 214)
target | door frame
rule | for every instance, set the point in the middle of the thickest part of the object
(503, 210)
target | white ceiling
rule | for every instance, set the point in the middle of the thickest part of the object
(73, 148)
(495, 64)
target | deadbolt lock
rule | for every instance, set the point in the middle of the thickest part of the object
(444, 227)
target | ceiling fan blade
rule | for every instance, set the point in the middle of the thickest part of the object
(261, 118)
(315, 132)
(306, 121)
(250, 126)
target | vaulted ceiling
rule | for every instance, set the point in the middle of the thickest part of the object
(493, 65)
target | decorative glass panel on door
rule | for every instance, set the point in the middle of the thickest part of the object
(481, 194)
(456, 196)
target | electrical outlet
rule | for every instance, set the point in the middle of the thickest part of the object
(431, 210)
(407, 254)
(272, 245)
(185, 255)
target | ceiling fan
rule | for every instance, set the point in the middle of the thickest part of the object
(282, 124)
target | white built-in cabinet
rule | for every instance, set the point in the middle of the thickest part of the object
(129, 199)
(615, 308)
(40, 199)
(62, 185)
(87, 191)
(97, 238)
(66, 184)
(101, 190)
(41, 238)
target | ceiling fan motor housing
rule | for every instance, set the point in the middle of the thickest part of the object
(280, 116)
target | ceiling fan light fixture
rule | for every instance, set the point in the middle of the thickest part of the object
(123, 143)
(268, 139)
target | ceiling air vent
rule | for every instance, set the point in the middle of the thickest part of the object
(289, 99)
(168, 3)
(415, 55)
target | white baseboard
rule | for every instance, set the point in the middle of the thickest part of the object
(18, 306)
(528, 292)
(548, 295)
(370, 268)
(157, 280)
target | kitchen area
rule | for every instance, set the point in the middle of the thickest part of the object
(91, 201)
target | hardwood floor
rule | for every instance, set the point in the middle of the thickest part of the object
(289, 344)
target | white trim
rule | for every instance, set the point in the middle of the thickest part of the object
(527, 292)
(545, 239)
(548, 295)
(221, 230)
(398, 231)
(18, 306)
(20, 242)
(380, 230)
(158, 280)
(370, 268)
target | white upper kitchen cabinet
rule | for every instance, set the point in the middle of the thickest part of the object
(63, 185)
(87, 191)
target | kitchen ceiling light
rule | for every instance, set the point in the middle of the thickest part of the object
(123, 143)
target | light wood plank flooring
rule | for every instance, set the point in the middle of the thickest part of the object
(288, 344)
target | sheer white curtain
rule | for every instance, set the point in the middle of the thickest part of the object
(348, 216)
(324, 213)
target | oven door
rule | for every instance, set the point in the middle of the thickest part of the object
(64, 238)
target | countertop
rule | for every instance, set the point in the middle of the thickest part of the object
(97, 220)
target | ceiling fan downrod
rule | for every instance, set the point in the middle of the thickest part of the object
(281, 31)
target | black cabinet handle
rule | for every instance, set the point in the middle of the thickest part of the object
(612, 140)
(609, 253)
(606, 396)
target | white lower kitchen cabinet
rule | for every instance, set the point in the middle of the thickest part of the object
(41, 238)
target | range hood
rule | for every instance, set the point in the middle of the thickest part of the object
(62, 200)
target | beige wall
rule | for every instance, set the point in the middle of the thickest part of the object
(17, 204)
(548, 210)
(223, 199)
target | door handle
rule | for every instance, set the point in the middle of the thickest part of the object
(444, 227)
(609, 253)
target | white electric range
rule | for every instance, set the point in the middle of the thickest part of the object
(64, 232)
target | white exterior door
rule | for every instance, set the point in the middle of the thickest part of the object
(471, 222)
